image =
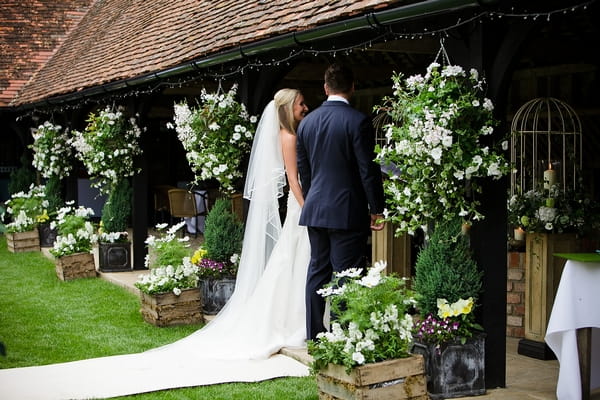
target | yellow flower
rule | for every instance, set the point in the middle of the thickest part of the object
(43, 217)
(444, 309)
(463, 306)
(198, 255)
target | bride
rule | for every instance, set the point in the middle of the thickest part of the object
(265, 313)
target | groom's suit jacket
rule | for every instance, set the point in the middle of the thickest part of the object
(342, 183)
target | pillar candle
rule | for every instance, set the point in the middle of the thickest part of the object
(519, 234)
(549, 177)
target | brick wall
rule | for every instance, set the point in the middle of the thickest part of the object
(515, 295)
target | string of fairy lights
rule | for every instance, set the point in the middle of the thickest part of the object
(239, 67)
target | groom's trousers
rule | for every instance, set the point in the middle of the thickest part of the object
(331, 250)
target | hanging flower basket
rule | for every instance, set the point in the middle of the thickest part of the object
(216, 135)
(433, 152)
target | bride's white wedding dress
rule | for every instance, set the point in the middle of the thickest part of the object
(265, 313)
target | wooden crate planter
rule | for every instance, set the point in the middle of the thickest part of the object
(398, 379)
(18, 242)
(75, 266)
(166, 309)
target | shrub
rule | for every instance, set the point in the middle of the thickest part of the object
(445, 268)
(53, 195)
(22, 178)
(223, 233)
(116, 210)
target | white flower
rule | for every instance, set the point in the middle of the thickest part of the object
(176, 291)
(358, 357)
(435, 147)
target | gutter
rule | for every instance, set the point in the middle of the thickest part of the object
(423, 9)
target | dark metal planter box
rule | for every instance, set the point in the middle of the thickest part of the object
(47, 235)
(455, 370)
(114, 257)
(215, 293)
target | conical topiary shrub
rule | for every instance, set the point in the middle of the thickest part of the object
(445, 268)
(223, 233)
(117, 209)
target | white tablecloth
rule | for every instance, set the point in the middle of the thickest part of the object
(577, 305)
(201, 206)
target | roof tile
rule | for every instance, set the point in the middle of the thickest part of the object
(120, 39)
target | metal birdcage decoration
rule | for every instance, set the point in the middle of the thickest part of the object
(546, 146)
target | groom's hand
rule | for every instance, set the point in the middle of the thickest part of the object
(377, 222)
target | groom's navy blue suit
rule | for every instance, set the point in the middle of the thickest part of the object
(342, 185)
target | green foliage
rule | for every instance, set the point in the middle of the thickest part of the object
(2, 213)
(436, 144)
(52, 150)
(166, 249)
(116, 210)
(223, 233)
(445, 268)
(53, 193)
(371, 322)
(22, 178)
(107, 147)
(75, 231)
(26, 209)
(216, 135)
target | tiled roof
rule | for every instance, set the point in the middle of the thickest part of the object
(30, 32)
(121, 39)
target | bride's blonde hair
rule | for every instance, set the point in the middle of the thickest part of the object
(284, 104)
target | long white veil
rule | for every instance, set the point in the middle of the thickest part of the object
(265, 181)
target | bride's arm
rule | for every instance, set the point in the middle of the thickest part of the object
(288, 147)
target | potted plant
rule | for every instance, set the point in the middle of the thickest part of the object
(434, 153)
(52, 157)
(218, 257)
(169, 293)
(216, 135)
(74, 242)
(447, 283)
(114, 247)
(25, 208)
(367, 351)
(107, 148)
(54, 199)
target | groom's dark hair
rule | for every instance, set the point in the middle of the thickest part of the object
(339, 78)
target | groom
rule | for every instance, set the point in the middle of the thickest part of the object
(342, 185)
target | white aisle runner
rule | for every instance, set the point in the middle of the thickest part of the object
(136, 373)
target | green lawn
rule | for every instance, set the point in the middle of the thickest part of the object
(44, 320)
